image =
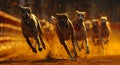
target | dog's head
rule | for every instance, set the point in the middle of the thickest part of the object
(95, 22)
(60, 17)
(25, 11)
(80, 15)
(103, 19)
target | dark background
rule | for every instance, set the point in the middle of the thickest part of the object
(46, 8)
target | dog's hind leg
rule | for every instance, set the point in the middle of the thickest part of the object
(107, 40)
(82, 46)
(76, 43)
(43, 44)
(38, 42)
(29, 43)
(40, 33)
(87, 46)
(73, 44)
(36, 37)
(102, 45)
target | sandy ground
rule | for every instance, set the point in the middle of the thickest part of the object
(15, 51)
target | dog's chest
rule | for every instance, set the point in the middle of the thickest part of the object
(79, 28)
(63, 26)
(65, 32)
(28, 27)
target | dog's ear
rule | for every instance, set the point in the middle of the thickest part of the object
(53, 18)
(104, 17)
(20, 7)
(77, 11)
(28, 5)
(57, 14)
(84, 13)
(66, 13)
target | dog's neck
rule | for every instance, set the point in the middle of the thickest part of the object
(104, 26)
(80, 22)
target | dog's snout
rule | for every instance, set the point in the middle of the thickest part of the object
(26, 15)
(81, 19)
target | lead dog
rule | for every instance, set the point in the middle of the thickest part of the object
(31, 27)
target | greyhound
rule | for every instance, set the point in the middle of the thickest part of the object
(101, 31)
(65, 31)
(80, 30)
(31, 28)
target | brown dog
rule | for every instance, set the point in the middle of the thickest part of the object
(65, 31)
(101, 31)
(80, 29)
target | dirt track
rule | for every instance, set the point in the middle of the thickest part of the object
(14, 50)
(109, 60)
(18, 52)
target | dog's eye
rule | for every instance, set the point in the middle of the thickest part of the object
(28, 11)
(82, 15)
(23, 10)
(103, 20)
